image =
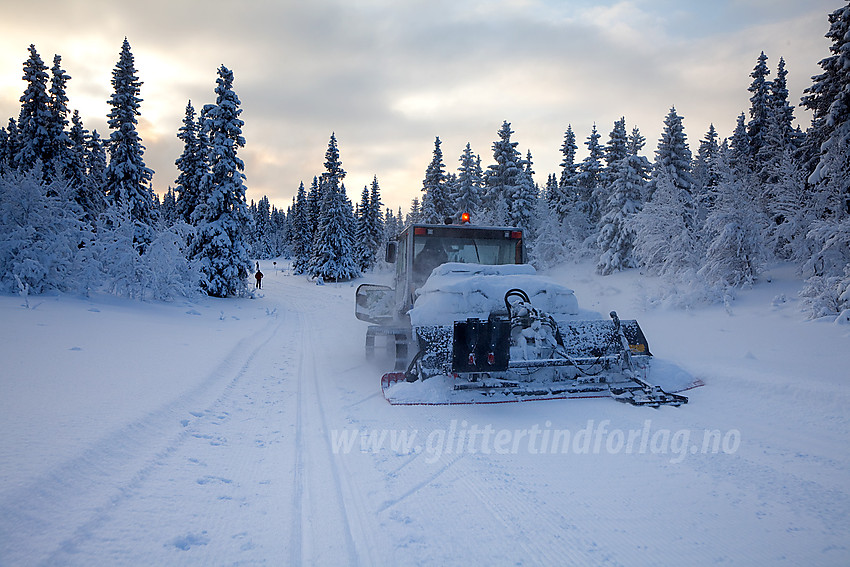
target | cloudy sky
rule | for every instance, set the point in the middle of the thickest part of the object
(388, 76)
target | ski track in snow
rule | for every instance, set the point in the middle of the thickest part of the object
(246, 468)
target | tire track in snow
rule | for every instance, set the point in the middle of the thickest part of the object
(418, 486)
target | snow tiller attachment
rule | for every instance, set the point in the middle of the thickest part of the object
(481, 326)
(524, 354)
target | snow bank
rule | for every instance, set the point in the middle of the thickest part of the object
(461, 291)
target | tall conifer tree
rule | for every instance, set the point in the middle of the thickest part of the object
(221, 216)
(333, 244)
(436, 202)
(300, 229)
(827, 292)
(467, 197)
(190, 164)
(673, 161)
(565, 198)
(665, 230)
(759, 107)
(590, 178)
(503, 177)
(127, 177)
(34, 120)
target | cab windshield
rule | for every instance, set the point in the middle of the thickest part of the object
(432, 250)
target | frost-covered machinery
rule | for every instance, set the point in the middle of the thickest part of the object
(469, 321)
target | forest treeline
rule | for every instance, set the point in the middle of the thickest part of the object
(79, 212)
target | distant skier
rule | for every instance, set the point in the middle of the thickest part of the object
(259, 277)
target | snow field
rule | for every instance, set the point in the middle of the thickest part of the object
(218, 442)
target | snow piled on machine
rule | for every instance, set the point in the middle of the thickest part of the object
(457, 291)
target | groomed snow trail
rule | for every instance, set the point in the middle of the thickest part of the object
(241, 471)
(287, 453)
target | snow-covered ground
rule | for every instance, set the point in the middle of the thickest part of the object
(247, 432)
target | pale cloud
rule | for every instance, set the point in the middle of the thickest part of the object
(388, 77)
(625, 24)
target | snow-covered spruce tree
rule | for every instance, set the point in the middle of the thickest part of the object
(190, 164)
(75, 166)
(34, 120)
(362, 252)
(673, 161)
(90, 196)
(221, 218)
(706, 176)
(450, 191)
(4, 144)
(395, 222)
(470, 180)
(617, 147)
(414, 215)
(824, 91)
(735, 256)
(827, 292)
(549, 247)
(263, 233)
(400, 222)
(390, 224)
(780, 141)
(314, 207)
(280, 227)
(627, 178)
(644, 169)
(333, 176)
(333, 249)
(759, 109)
(787, 211)
(568, 204)
(369, 227)
(333, 244)
(59, 153)
(568, 181)
(502, 178)
(615, 151)
(127, 177)
(522, 200)
(590, 178)
(96, 167)
(665, 243)
(550, 190)
(740, 148)
(436, 201)
(665, 231)
(7, 146)
(780, 133)
(299, 229)
(375, 220)
(168, 209)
